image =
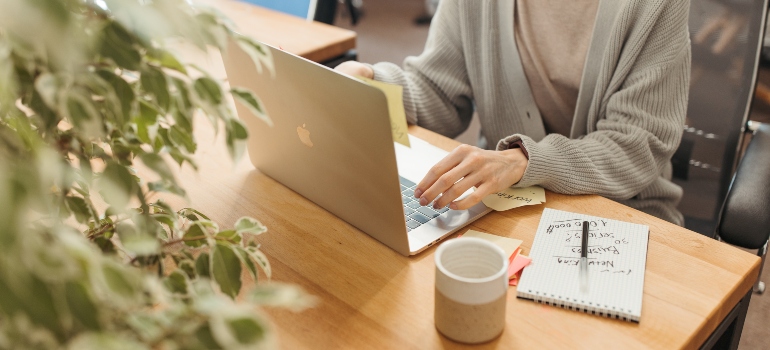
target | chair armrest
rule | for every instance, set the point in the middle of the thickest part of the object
(745, 217)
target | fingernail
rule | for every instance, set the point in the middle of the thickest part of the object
(453, 206)
(423, 201)
(435, 205)
(417, 193)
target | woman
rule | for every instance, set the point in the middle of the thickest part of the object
(579, 96)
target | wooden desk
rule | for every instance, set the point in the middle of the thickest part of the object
(315, 41)
(372, 297)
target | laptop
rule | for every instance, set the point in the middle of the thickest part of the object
(331, 142)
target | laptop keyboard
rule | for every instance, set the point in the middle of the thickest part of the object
(415, 214)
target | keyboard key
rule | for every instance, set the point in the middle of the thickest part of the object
(406, 200)
(428, 212)
(406, 182)
(414, 205)
(408, 211)
(408, 193)
(403, 187)
(443, 210)
(419, 218)
(412, 224)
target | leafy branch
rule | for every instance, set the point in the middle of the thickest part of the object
(89, 92)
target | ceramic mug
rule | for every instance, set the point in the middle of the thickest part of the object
(471, 289)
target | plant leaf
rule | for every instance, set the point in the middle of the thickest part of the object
(195, 230)
(203, 266)
(118, 45)
(284, 295)
(252, 102)
(140, 242)
(226, 269)
(122, 89)
(80, 208)
(208, 90)
(230, 235)
(176, 282)
(158, 165)
(81, 306)
(154, 81)
(261, 259)
(246, 260)
(260, 55)
(247, 330)
(117, 185)
(250, 225)
(119, 282)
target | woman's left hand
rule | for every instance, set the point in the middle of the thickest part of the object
(467, 166)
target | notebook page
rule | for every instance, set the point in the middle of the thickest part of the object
(617, 253)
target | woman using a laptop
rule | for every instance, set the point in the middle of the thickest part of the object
(579, 96)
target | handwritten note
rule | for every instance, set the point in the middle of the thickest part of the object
(515, 197)
(509, 245)
(394, 95)
(617, 253)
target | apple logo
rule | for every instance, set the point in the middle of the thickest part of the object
(304, 135)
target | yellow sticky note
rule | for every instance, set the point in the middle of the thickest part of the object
(509, 245)
(394, 95)
(515, 197)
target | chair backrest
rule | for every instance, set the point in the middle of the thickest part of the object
(312, 10)
(726, 39)
(745, 219)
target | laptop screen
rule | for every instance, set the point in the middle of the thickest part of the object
(299, 8)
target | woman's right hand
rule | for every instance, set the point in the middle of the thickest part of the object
(355, 69)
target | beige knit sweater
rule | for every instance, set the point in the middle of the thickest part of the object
(630, 110)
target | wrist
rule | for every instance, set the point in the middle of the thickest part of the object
(518, 161)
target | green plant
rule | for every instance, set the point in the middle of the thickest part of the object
(89, 91)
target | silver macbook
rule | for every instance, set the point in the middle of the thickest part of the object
(331, 142)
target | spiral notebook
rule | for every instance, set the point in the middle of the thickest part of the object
(617, 254)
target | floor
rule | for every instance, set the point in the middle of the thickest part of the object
(388, 32)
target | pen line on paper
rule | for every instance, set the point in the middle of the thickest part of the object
(584, 259)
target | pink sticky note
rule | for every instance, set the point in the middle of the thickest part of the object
(513, 256)
(518, 263)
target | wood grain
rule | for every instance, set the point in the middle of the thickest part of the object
(373, 298)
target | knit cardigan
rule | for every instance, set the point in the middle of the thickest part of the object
(630, 110)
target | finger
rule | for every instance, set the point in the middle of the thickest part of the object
(455, 191)
(444, 183)
(473, 199)
(447, 163)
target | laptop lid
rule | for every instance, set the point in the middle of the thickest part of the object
(330, 142)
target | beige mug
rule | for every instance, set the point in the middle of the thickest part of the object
(471, 290)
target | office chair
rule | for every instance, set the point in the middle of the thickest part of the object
(727, 37)
(323, 11)
(745, 214)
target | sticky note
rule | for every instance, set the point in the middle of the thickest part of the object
(515, 197)
(394, 95)
(509, 245)
(520, 262)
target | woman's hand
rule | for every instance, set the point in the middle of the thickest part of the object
(468, 166)
(355, 69)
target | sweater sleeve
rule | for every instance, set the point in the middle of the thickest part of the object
(437, 91)
(638, 130)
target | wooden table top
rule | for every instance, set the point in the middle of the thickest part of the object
(315, 41)
(372, 297)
